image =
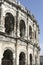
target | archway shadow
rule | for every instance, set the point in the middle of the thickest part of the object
(7, 57)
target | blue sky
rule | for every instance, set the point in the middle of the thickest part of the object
(36, 7)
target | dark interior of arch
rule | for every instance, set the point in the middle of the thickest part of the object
(30, 59)
(7, 58)
(22, 28)
(22, 59)
(30, 32)
(35, 34)
(9, 23)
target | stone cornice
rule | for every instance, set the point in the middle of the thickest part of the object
(21, 39)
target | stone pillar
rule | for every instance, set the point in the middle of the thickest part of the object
(16, 37)
(13, 58)
(38, 58)
(2, 18)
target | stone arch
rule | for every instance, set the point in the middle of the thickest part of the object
(7, 57)
(30, 31)
(10, 11)
(4, 49)
(9, 23)
(22, 58)
(22, 28)
(30, 59)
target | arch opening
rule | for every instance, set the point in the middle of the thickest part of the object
(9, 23)
(35, 34)
(30, 32)
(22, 28)
(7, 57)
(22, 58)
(30, 59)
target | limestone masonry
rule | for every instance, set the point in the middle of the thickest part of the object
(19, 35)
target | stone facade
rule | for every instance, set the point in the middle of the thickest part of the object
(19, 35)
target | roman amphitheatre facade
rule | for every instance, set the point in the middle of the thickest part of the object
(19, 35)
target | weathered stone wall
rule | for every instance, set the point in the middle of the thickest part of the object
(16, 43)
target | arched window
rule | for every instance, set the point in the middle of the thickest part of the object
(22, 58)
(35, 34)
(30, 32)
(30, 59)
(22, 28)
(7, 57)
(9, 23)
